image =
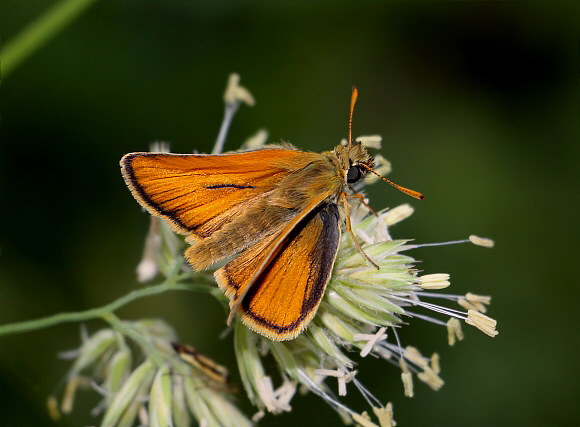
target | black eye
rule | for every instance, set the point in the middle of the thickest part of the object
(353, 174)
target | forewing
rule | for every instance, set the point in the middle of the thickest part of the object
(284, 297)
(199, 193)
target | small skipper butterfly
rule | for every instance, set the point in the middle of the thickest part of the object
(275, 209)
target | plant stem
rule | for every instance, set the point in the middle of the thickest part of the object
(102, 312)
(229, 113)
(39, 32)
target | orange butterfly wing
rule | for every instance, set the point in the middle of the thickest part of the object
(286, 292)
(200, 193)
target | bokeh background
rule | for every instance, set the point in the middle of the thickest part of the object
(477, 103)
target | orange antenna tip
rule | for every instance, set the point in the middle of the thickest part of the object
(353, 98)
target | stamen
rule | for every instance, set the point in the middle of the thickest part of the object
(328, 373)
(407, 379)
(52, 408)
(400, 348)
(101, 390)
(368, 396)
(380, 335)
(482, 322)
(481, 241)
(345, 378)
(365, 237)
(395, 215)
(426, 318)
(425, 245)
(437, 308)
(434, 281)
(466, 305)
(415, 356)
(454, 331)
(233, 97)
(266, 392)
(431, 379)
(435, 363)
(370, 141)
(69, 395)
(314, 388)
(362, 421)
(285, 393)
(450, 297)
(383, 353)
(148, 268)
(385, 415)
(473, 298)
(258, 416)
(257, 140)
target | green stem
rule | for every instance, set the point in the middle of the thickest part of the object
(128, 331)
(39, 32)
(104, 311)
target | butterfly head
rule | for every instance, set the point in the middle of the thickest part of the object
(355, 161)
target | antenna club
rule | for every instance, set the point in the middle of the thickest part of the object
(353, 98)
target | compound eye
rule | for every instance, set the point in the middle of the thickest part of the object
(353, 175)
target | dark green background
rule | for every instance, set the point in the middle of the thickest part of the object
(478, 106)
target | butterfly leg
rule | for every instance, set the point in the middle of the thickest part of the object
(344, 199)
(362, 201)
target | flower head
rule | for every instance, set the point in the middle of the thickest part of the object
(361, 311)
(163, 389)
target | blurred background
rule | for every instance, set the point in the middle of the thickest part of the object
(477, 104)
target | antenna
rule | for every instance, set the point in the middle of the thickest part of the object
(411, 193)
(353, 98)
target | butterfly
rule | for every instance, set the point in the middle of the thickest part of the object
(275, 210)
